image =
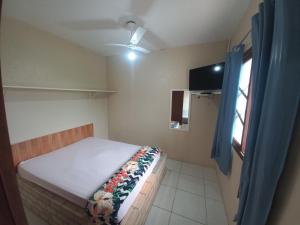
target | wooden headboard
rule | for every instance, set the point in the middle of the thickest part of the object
(48, 143)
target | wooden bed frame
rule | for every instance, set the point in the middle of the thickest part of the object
(56, 210)
(48, 143)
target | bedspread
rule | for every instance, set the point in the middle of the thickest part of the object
(105, 202)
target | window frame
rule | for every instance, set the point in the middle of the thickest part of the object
(240, 148)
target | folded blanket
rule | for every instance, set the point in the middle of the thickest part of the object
(104, 204)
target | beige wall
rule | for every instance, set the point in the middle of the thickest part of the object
(286, 204)
(32, 57)
(245, 25)
(139, 114)
(229, 187)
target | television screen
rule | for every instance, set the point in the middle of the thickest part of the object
(207, 78)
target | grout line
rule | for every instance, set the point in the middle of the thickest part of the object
(201, 195)
(178, 173)
(161, 208)
(218, 182)
(218, 190)
(175, 194)
(186, 192)
(171, 186)
(172, 212)
(188, 218)
(190, 193)
(169, 220)
(204, 179)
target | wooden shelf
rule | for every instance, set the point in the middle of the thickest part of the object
(57, 89)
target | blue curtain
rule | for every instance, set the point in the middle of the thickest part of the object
(275, 101)
(222, 149)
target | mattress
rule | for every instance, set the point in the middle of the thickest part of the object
(77, 170)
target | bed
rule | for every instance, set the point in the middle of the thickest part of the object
(58, 173)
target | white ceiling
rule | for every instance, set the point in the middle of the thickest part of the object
(169, 23)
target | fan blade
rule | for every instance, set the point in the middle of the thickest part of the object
(118, 45)
(137, 36)
(140, 49)
(135, 48)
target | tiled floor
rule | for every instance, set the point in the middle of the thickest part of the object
(189, 195)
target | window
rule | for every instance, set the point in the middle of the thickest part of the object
(242, 111)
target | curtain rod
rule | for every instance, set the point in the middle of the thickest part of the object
(245, 37)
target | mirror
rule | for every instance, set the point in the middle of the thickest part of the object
(180, 110)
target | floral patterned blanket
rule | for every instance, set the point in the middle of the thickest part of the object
(104, 204)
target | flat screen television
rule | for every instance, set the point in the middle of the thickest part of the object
(207, 78)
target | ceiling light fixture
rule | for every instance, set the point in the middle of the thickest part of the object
(131, 56)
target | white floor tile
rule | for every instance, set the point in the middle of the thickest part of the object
(191, 184)
(212, 190)
(192, 170)
(165, 197)
(179, 220)
(158, 216)
(190, 206)
(215, 213)
(174, 165)
(170, 178)
(210, 174)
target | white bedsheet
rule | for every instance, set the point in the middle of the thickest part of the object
(76, 171)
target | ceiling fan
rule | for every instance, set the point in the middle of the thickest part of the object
(136, 35)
